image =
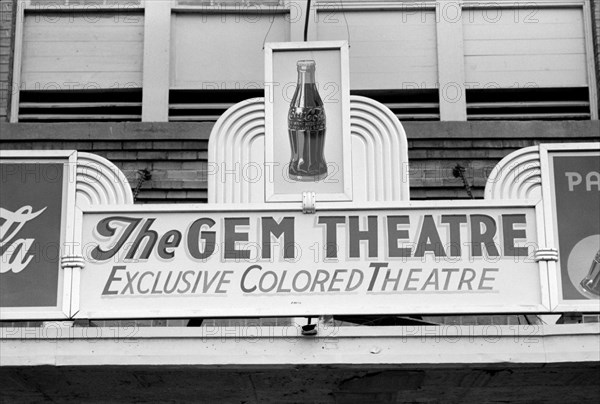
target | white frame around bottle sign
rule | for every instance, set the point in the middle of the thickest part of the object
(332, 74)
(62, 309)
(547, 153)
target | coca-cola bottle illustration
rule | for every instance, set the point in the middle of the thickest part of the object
(307, 127)
(590, 284)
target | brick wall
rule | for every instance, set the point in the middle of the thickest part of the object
(6, 44)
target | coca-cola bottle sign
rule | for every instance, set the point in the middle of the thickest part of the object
(307, 127)
(307, 122)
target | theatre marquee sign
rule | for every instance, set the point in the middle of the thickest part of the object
(75, 246)
(258, 262)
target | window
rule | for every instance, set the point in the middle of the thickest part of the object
(81, 66)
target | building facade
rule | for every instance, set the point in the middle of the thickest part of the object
(142, 83)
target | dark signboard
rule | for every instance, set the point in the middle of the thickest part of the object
(31, 203)
(577, 192)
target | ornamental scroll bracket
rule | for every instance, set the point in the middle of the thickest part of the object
(546, 254)
(309, 202)
(72, 261)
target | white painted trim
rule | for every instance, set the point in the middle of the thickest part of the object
(553, 275)
(194, 10)
(157, 60)
(337, 5)
(589, 55)
(451, 64)
(76, 272)
(526, 4)
(569, 146)
(541, 226)
(278, 332)
(28, 154)
(237, 8)
(313, 34)
(15, 86)
(54, 7)
(71, 243)
(230, 347)
(292, 46)
(321, 207)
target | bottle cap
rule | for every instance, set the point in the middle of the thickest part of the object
(306, 65)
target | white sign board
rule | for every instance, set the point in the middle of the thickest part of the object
(457, 258)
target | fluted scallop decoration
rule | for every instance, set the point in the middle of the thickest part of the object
(237, 154)
(516, 176)
(100, 182)
(379, 153)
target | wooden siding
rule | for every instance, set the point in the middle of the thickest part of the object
(82, 51)
(198, 40)
(388, 49)
(528, 47)
(176, 153)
